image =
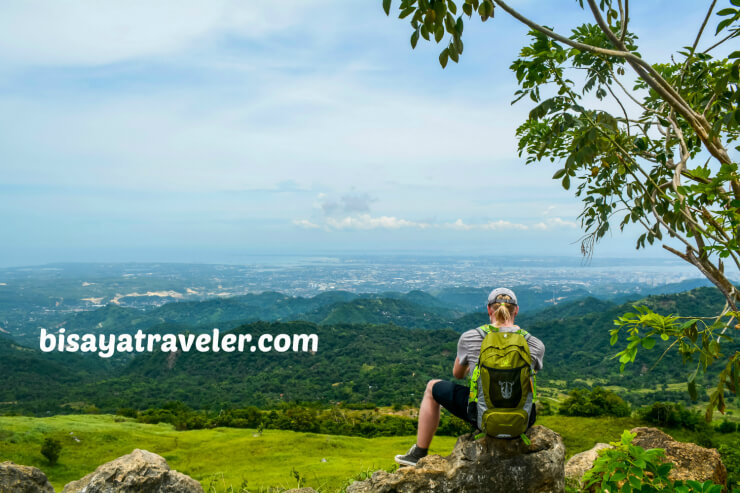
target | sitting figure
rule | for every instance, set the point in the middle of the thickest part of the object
(500, 398)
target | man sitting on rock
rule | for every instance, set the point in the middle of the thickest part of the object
(502, 310)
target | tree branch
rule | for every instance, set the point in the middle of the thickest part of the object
(626, 19)
(558, 37)
(626, 117)
(733, 34)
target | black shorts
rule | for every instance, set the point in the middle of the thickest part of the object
(454, 397)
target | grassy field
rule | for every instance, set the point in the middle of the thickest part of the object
(228, 456)
(224, 455)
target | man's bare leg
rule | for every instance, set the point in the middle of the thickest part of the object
(428, 417)
(428, 423)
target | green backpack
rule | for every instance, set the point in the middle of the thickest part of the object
(502, 384)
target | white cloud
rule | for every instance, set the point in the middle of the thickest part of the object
(305, 223)
(81, 32)
(554, 223)
(491, 225)
(366, 221)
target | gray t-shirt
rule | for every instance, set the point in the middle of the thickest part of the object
(468, 348)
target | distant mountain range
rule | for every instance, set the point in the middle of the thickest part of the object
(378, 348)
(415, 309)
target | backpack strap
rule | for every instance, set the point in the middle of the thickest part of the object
(527, 336)
(473, 397)
(487, 329)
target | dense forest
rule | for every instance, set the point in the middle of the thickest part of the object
(374, 350)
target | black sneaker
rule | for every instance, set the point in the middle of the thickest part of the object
(411, 457)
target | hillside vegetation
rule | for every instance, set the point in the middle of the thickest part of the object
(360, 362)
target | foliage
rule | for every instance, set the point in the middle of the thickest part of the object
(51, 449)
(359, 365)
(367, 423)
(629, 468)
(596, 402)
(660, 162)
(731, 459)
(671, 415)
(727, 426)
(694, 337)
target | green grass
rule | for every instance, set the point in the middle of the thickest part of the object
(227, 455)
(581, 434)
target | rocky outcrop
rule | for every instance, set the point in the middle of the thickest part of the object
(138, 472)
(23, 479)
(577, 465)
(488, 465)
(690, 461)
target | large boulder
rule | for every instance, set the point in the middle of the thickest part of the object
(23, 479)
(138, 472)
(691, 462)
(488, 465)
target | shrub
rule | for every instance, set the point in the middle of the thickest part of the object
(51, 449)
(672, 415)
(544, 408)
(596, 402)
(727, 427)
(628, 468)
(127, 412)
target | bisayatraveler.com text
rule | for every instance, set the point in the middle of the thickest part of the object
(106, 345)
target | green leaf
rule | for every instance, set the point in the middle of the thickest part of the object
(635, 483)
(558, 174)
(692, 390)
(443, 58)
(414, 39)
(723, 25)
(439, 33)
(452, 52)
(566, 182)
(387, 7)
(406, 12)
(648, 343)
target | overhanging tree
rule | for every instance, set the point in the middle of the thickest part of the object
(643, 143)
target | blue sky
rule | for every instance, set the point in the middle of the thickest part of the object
(196, 131)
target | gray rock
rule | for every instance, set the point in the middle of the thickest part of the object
(577, 465)
(488, 465)
(690, 461)
(138, 472)
(23, 479)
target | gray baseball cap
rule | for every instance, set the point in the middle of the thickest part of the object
(498, 292)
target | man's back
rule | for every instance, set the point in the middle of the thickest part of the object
(468, 347)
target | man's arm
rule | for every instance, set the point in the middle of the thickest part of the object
(459, 370)
(537, 351)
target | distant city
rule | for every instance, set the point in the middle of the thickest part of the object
(79, 287)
